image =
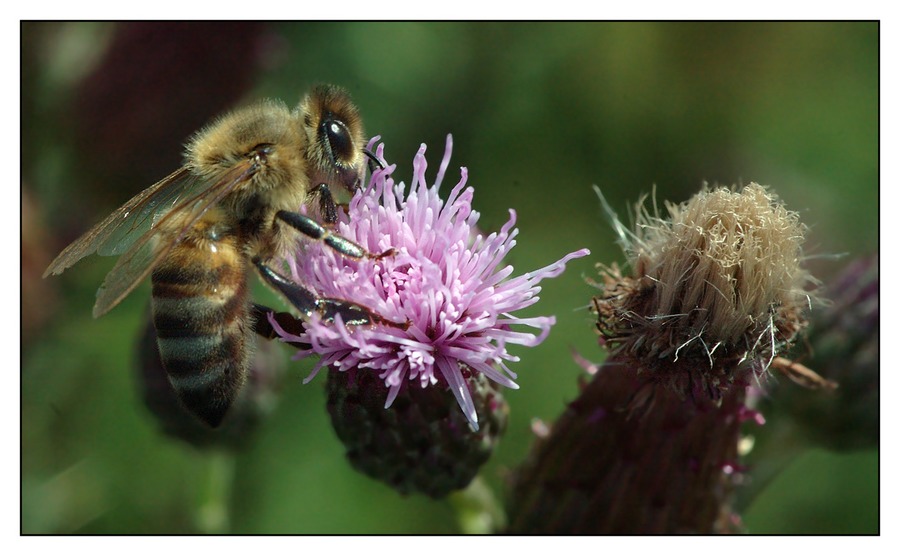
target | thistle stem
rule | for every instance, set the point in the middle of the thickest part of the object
(477, 509)
(772, 453)
(213, 514)
(632, 457)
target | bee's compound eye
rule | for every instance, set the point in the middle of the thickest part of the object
(339, 141)
(262, 151)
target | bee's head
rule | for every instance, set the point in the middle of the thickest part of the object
(335, 148)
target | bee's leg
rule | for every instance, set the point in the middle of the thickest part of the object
(327, 206)
(308, 303)
(309, 227)
(288, 322)
(262, 326)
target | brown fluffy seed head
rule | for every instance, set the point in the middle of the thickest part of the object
(716, 284)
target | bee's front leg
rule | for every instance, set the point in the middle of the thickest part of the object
(327, 205)
(312, 229)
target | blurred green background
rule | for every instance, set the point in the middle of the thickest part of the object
(539, 112)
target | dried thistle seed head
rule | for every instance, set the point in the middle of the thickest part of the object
(715, 284)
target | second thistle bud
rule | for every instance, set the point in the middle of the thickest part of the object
(714, 294)
(422, 443)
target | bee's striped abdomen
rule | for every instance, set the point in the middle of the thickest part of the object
(201, 314)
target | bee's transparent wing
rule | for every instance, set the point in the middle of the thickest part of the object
(144, 254)
(149, 213)
(128, 223)
(174, 204)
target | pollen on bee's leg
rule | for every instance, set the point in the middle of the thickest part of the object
(350, 313)
(353, 314)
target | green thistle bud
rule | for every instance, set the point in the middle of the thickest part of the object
(843, 342)
(422, 442)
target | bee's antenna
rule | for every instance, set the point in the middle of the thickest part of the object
(373, 161)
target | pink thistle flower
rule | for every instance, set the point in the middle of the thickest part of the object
(445, 279)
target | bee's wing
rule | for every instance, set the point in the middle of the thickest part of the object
(128, 223)
(174, 204)
(144, 254)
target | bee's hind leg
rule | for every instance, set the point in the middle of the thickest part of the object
(264, 327)
(312, 229)
(308, 303)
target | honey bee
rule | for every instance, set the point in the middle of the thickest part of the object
(231, 207)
